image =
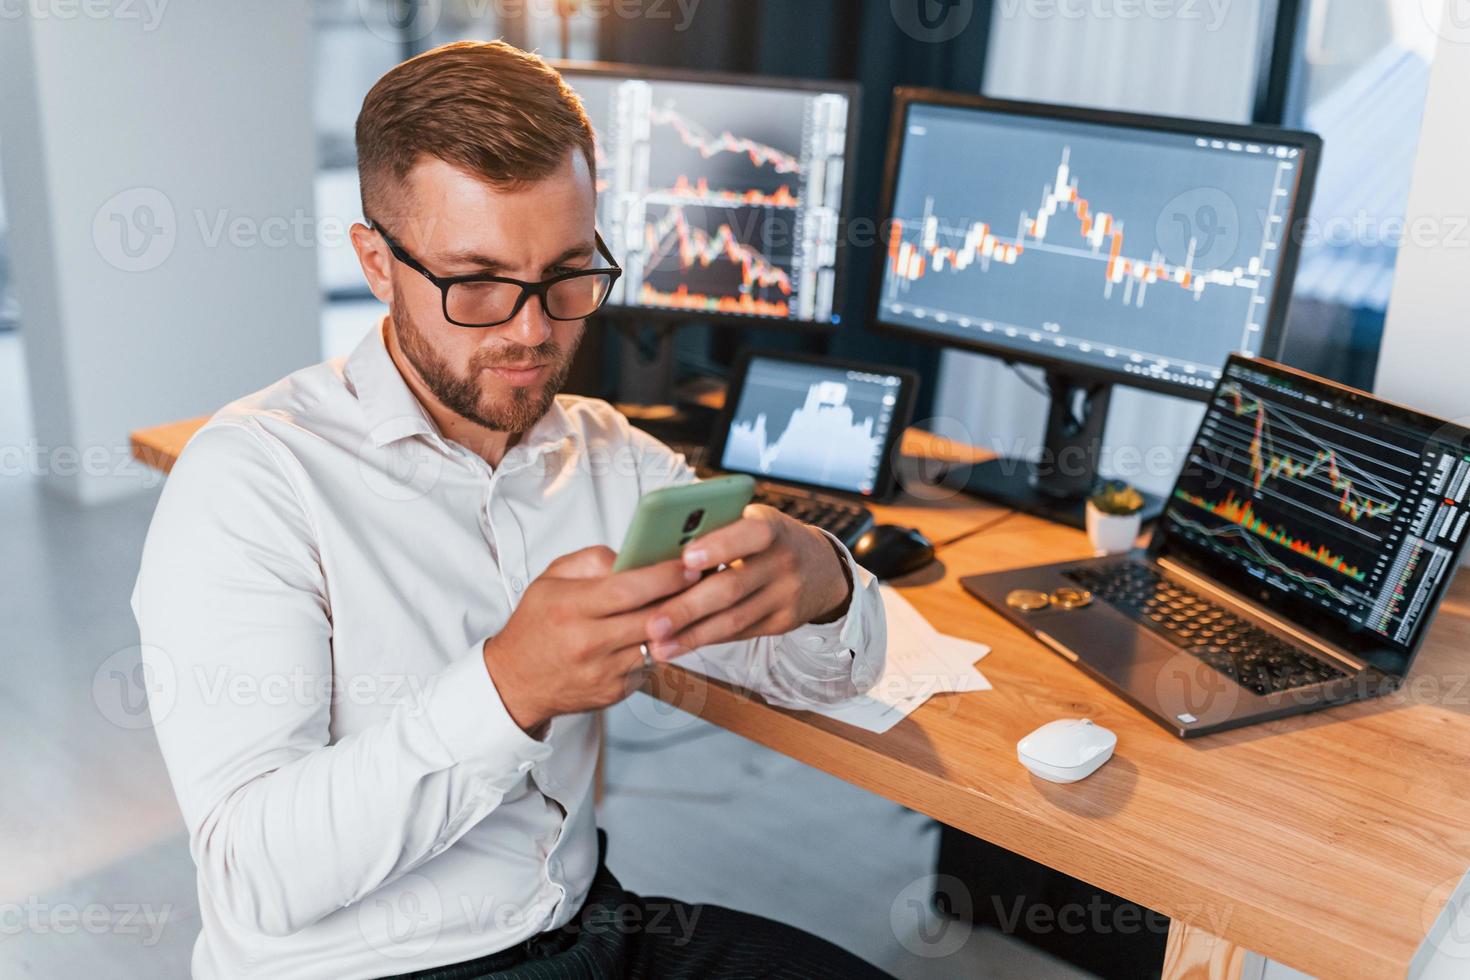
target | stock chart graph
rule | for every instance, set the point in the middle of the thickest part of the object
(1358, 510)
(720, 199)
(1138, 250)
(813, 424)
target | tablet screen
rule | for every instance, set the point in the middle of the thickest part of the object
(812, 423)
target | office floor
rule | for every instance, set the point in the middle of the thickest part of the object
(95, 875)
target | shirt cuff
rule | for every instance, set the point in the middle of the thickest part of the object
(862, 630)
(844, 634)
(469, 717)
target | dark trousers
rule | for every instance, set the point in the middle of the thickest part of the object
(621, 935)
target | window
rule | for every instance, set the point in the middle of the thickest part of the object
(1361, 75)
(544, 30)
(356, 42)
(9, 309)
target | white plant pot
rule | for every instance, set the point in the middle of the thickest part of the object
(1112, 534)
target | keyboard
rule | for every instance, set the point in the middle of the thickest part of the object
(1255, 659)
(843, 519)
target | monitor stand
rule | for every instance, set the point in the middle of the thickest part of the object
(645, 363)
(645, 390)
(1056, 486)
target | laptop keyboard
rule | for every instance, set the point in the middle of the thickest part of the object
(1257, 660)
(845, 520)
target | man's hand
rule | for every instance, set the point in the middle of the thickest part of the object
(572, 643)
(781, 574)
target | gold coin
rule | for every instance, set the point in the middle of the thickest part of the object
(1028, 599)
(1070, 598)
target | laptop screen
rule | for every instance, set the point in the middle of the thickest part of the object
(806, 422)
(1344, 512)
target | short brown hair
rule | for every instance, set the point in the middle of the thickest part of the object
(486, 107)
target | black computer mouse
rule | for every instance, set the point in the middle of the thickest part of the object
(889, 551)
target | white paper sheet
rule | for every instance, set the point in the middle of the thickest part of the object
(921, 663)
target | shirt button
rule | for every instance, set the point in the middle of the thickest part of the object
(517, 584)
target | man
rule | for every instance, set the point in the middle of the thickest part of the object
(378, 594)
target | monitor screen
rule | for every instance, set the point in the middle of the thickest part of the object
(812, 423)
(720, 200)
(1134, 251)
(1327, 501)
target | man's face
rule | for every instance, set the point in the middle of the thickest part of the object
(504, 377)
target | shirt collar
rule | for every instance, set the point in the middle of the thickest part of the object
(550, 433)
(393, 412)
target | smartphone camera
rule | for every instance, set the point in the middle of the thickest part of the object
(691, 524)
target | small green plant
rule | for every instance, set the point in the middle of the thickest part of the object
(1117, 498)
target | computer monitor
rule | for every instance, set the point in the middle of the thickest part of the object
(722, 196)
(1107, 248)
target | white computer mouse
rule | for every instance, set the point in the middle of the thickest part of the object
(1067, 750)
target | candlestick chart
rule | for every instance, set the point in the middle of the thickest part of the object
(720, 200)
(1127, 249)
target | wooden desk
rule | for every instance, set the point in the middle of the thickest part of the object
(1329, 842)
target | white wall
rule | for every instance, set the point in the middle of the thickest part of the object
(1425, 359)
(132, 134)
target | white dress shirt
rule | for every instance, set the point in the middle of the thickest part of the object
(318, 580)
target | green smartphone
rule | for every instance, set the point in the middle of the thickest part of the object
(670, 518)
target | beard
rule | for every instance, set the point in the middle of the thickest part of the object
(466, 396)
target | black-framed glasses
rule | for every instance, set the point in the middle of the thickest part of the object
(483, 300)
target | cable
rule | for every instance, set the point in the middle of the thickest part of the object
(700, 365)
(1027, 380)
(1078, 411)
(985, 526)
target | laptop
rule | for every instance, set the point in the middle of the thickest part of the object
(818, 434)
(1298, 564)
